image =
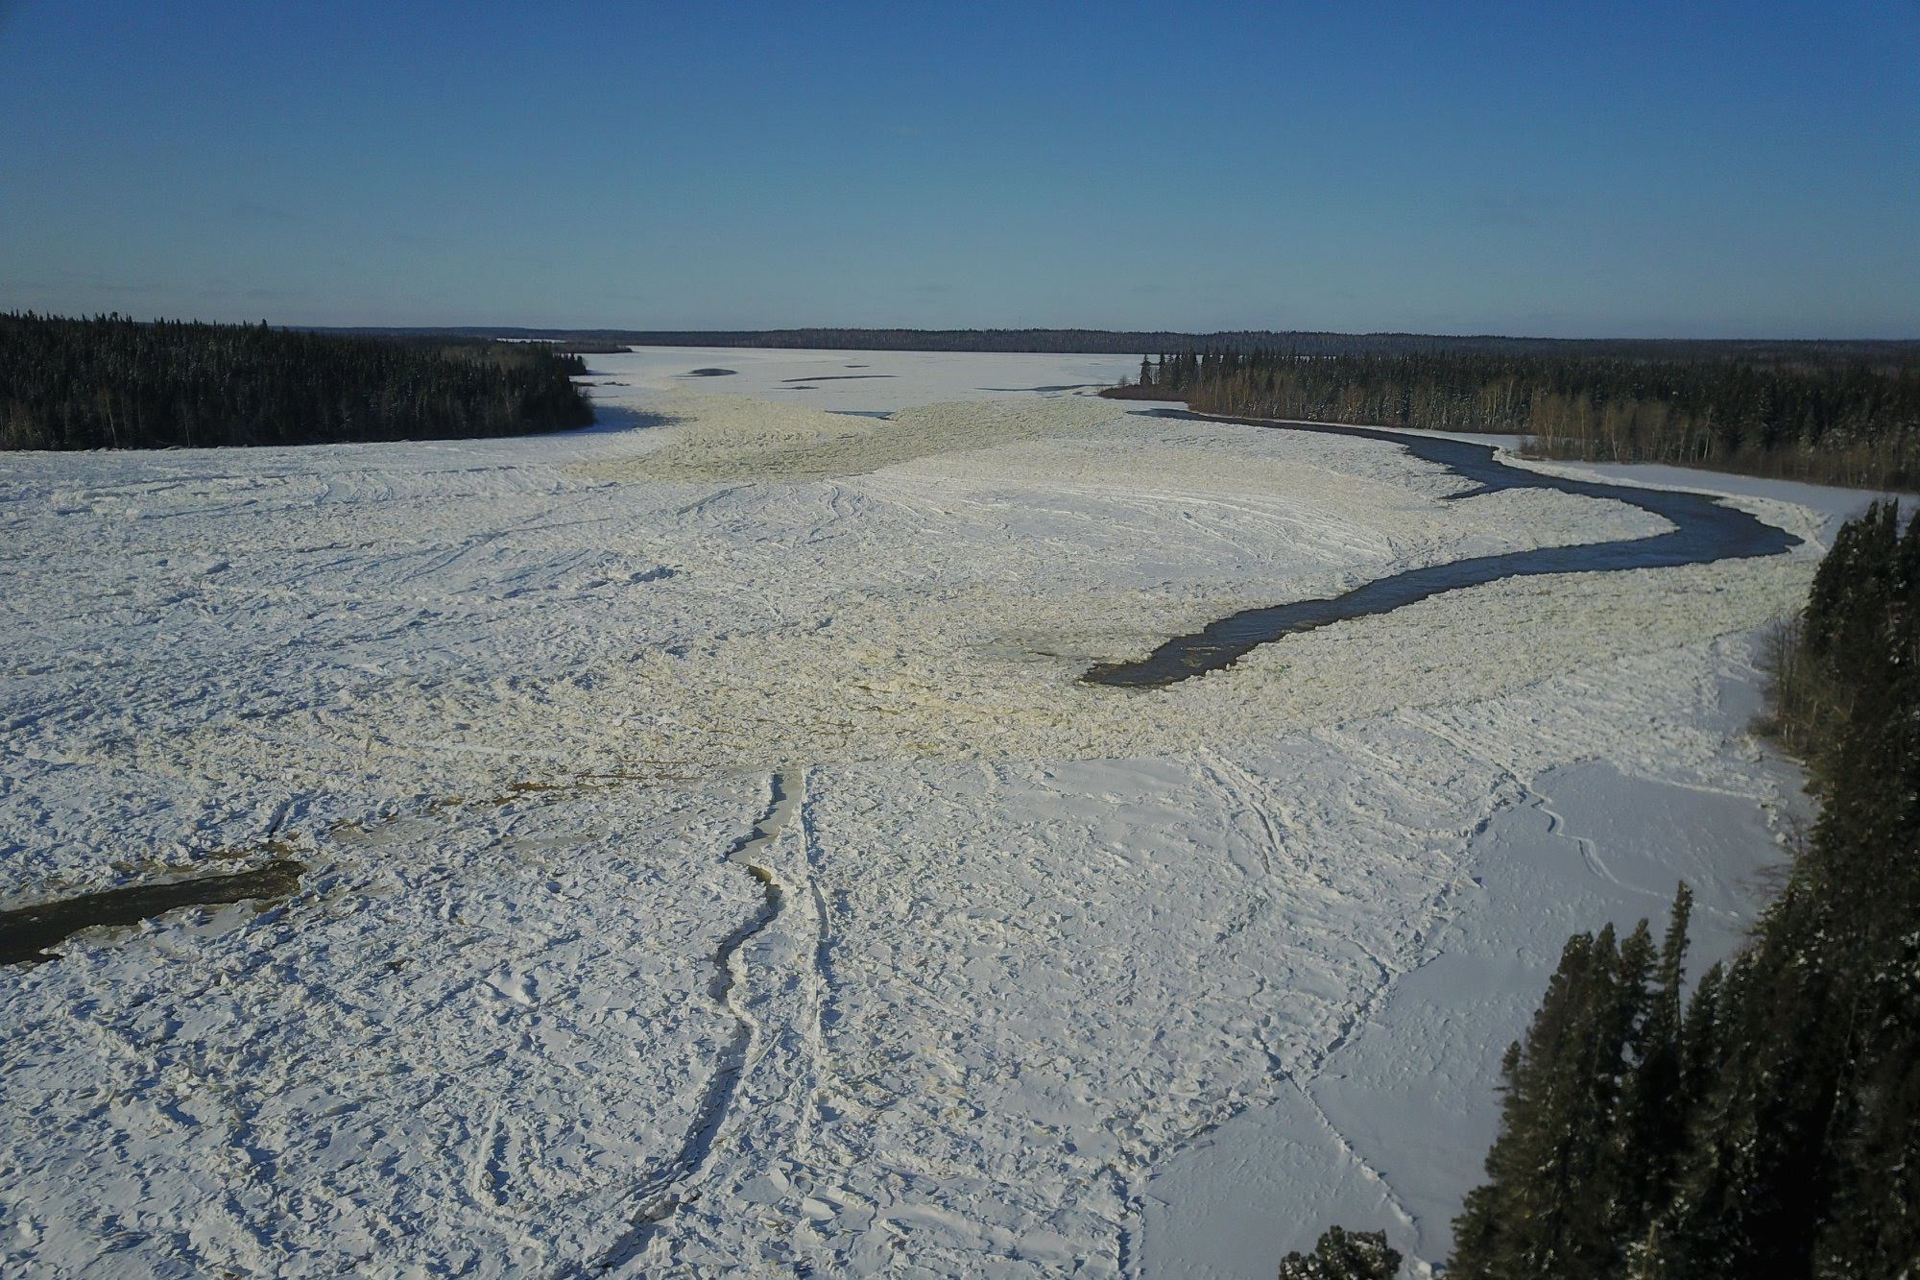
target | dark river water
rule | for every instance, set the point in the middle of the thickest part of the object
(1704, 530)
(26, 933)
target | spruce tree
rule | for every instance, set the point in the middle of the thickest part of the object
(1653, 1109)
(1530, 1217)
(1340, 1255)
(1874, 1229)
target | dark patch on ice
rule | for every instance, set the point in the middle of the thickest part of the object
(27, 932)
(881, 414)
(840, 377)
(709, 373)
(1065, 386)
(1705, 530)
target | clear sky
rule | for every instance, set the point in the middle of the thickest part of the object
(1541, 168)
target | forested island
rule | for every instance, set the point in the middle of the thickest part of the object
(110, 382)
(1834, 418)
(1765, 1124)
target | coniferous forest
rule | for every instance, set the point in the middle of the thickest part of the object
(111, 382)
(1851, 420)
(1766, 1121)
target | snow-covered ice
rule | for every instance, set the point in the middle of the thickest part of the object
(717, 866)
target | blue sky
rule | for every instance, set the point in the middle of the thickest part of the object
(1670, 169)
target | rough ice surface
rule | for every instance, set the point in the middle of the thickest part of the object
(717, 866)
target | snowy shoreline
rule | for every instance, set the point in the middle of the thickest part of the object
(1055, 970)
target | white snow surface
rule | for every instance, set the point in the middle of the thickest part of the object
(716, 866)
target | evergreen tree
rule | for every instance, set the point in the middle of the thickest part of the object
(1542, 1210)
(1361, 1255)
(1874, 1229)
(1654, 1108)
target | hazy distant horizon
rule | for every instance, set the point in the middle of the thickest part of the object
(623, 329)
(625, 332)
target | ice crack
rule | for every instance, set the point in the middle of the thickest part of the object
(676, 1183)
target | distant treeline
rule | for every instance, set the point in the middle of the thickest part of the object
(586, 347)
(1129, 342)
(1852, 421)
(1770, 1125)
(111, 382)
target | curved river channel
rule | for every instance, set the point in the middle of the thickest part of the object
(1704, 530)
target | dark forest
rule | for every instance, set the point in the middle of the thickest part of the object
(1837, 421)
(113, 383)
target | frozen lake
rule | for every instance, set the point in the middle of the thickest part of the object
(715, 863)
